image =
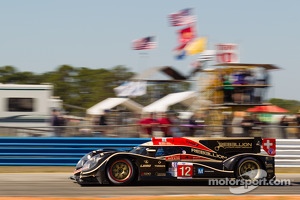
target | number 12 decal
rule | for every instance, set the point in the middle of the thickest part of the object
(184, 170)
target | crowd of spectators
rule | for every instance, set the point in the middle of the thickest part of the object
(244, 86)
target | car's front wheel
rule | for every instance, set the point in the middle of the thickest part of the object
(120, 172)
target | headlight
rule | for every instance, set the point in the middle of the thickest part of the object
(85, 158)
(91, 162)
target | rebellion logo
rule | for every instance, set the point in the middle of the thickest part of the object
(210, 154)
(233, 145)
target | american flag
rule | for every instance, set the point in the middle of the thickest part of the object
(182, 17)
(144, 43)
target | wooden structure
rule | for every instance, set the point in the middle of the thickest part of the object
(231, 87)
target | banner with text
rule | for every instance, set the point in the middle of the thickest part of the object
(227, 53)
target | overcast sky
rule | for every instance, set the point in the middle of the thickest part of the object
(39, 36)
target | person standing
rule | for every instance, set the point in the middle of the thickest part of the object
(55, 122)
(165, 125)
(247, 124)
(283, 125)
(298, 124)
(102, 119)
(148, 124)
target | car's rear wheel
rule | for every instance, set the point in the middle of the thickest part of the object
(120, 172)
(249, 169)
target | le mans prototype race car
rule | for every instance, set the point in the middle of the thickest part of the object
(179, 158)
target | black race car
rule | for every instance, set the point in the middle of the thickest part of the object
(180, 158)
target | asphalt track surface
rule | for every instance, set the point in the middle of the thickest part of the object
(59, 185)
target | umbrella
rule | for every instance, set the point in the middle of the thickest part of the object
(267, 109)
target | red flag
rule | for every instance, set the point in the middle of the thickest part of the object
(186, 35)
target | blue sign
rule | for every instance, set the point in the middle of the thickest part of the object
(201, 170)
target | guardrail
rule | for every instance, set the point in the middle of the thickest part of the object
(58, 151)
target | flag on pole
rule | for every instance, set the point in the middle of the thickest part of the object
(182, 17)
(184, 37)
(144, 43)
(196, 46)
(131, 88)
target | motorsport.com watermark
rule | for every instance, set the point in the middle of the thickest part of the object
(247, 185)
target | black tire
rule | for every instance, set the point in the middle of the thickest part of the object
(120, 171)
(249, 169)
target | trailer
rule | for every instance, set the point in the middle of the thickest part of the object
(24, 105)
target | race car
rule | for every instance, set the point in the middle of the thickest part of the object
(180, 158)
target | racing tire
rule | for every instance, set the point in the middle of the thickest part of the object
(120, 172)
(249, 169)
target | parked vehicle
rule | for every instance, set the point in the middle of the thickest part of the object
(25, 106)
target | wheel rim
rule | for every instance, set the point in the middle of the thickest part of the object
(120, 171)
(249, 170)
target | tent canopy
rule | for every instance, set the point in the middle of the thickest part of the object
(110, 103)
(162, 105)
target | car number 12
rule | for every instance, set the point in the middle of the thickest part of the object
(184, 170)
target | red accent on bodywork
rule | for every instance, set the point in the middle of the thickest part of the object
(179, 141)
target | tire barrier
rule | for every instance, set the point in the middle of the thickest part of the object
(58, 151)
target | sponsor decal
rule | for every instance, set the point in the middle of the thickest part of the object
(269, 165)
(145, 165)
(269, 145)
(233, 145)
(159, 165)
(200, 170)
(160, 174)
(174, 164)
(146, 174)
(210, 154)
(173, 157)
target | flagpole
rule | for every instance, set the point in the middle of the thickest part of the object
(143, 58)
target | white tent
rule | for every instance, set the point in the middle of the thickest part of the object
(162, 105)
(110, 103)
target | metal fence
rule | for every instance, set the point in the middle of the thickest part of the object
(135, 130)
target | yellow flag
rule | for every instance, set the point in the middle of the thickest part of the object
(196, 46)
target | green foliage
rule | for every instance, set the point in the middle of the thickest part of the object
(292, 105)
(84, 87)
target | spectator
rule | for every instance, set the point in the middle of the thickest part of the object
(55, 122)
(165, 124)
(298, 124)
(247, 124)
(227, 124)
(250, 80)
(237, 130)
(176, 132)
(148, 124)
(102, 119)
(193, 124)
(228, 90)
(283, 125)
